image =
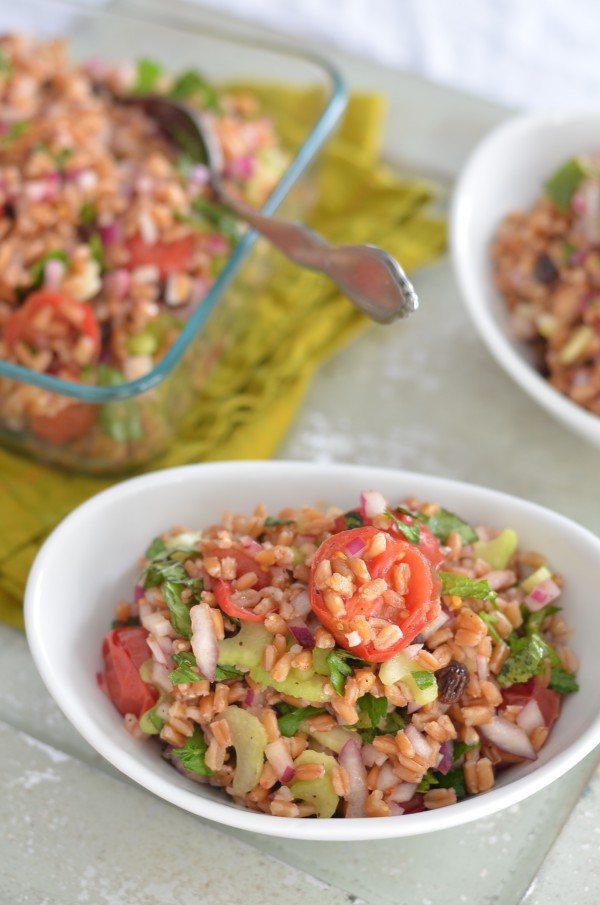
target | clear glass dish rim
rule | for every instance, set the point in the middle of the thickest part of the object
(324, 126)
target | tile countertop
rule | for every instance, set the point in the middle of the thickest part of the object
(72, 830)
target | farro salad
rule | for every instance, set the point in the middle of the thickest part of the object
(547, 266)
(110, 235)
(374, 662)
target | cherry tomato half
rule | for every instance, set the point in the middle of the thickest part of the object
(169, 257)
(222, 592)
(69, 423)
(40, 310)
(421, 599)
(124, 650)
(244, 563)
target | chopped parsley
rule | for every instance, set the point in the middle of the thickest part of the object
(454, 779)
(148, 73)
(445, 523)
(461, 748)
(526, 659)
(489, 619)
(353, 519)
(185, 672)
(87, 212)
(61, 157)
(423, 679)
(157, 549)
(291, 717)
(191, 86)
(562, 681)
(396, 720)
(461, 586)
(223, 673)
(563, 184)
(375, 708)
(271, 522)
(193, 753)
(412, 533)
(339, 669)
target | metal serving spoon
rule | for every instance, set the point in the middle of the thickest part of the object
(370, 277)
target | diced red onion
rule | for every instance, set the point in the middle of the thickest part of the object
(373, 503)
(111, 234)
(543, 593)
(404, 791)
(418, 741)
(301, 604)
(54, 271)
(240, 168)
(530, 717)
(483, 667)
(356, 546)
(498, 579)
(429, 630)
(45, 189)
(157, 623)
(100, 680)
(249, 698)
(386, 779)
(350, 758)
(204, 640)
(199, 175)
(446, 757)
(160, 677)
(302, 634)
(117, 282)
(138, 593)
(508, 737)
(280, 759)
(250, 544)
(396, 810)
(412, 707)
(371, 756)
(412, 650)
(157, 651)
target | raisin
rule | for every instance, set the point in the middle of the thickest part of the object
(545, 270)
(452, 682)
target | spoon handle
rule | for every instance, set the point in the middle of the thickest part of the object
(370, 277)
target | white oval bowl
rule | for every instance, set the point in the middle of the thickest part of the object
(89, 562)
(506, 172)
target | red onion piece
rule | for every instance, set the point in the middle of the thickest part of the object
(54, 271)
(543, 593)
(440, 620)
(301, 604)
(446, 757)
(372, 756)
(199, 175)
(100, 680)
(250, 544)
(302, 634)
(412, 650)
(418, 741)
(240, 168)
(356, 546)
(396, 810)
(160, 677)
(530, 717)
(111, 234)
(483, 667)
(280, 759)
(249, 697)
(137, 596)
(117, 282)
(412, 707)
(508, 737)
(204, 640)
(373, 503)
(216, 244)
(157, 651)
(404, 791)
(386, 779)
(350, 759)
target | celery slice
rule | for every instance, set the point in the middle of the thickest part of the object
(318, 792)
(249, 738)
(497, 552)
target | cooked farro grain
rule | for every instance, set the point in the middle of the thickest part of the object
(318, 705)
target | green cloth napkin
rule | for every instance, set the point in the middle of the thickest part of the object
(249, 401)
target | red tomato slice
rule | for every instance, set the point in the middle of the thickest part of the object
(76, 319)
(124, 650)
(222, 592)
(70, 423)
(245, 563)
(547, 699)
(421, 600)
(169, 257)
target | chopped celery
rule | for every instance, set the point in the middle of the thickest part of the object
(150, 722)
(400, 669)
(497, 552)
(310, 690)
(318, 792)
(319, 656)
(245, 649)
(249, 738)
(334, 739)
(142, 344)
(541, 574)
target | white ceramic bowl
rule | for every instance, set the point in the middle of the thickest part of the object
(89, 563)
(506, 172)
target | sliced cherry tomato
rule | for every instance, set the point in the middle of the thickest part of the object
(222, 592)
(124, 650)
(429, 545)
(421, 601)
(169, 257)
(547, 699)
(245, 563)
(29, 323)
(70, 423)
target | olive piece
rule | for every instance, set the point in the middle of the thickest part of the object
(452, 682)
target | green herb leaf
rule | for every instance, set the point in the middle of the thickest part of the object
(37, 269)
(157, 549)
(148, 73)
(430, 779)
(454, 779)
(461, 748)
(223, 673)
(526, 660)
(185, 672)
(489, 619)
(375, 708)
(563, 184)
(61, 157)
(271, 522)
(16, 131)
(353, 519)
(339, 670)
(191, 86)
(562, 681)
(193, 753)
(179, 609)
(461, 586)
(97, 250)
(395, 721)
(87, 213)
(120, 420)
(445, 523)
(218, 216)
(423, 679)
(290, 719)
(412, 533)
(533, 621)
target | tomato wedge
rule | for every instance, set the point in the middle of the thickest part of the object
(547, 699)
(222, 592)
(244, 562)
(169, 257)
(36, 321)
(421, 598)
(124, 650)
(70, 423)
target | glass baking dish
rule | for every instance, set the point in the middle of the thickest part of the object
(149, 410)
